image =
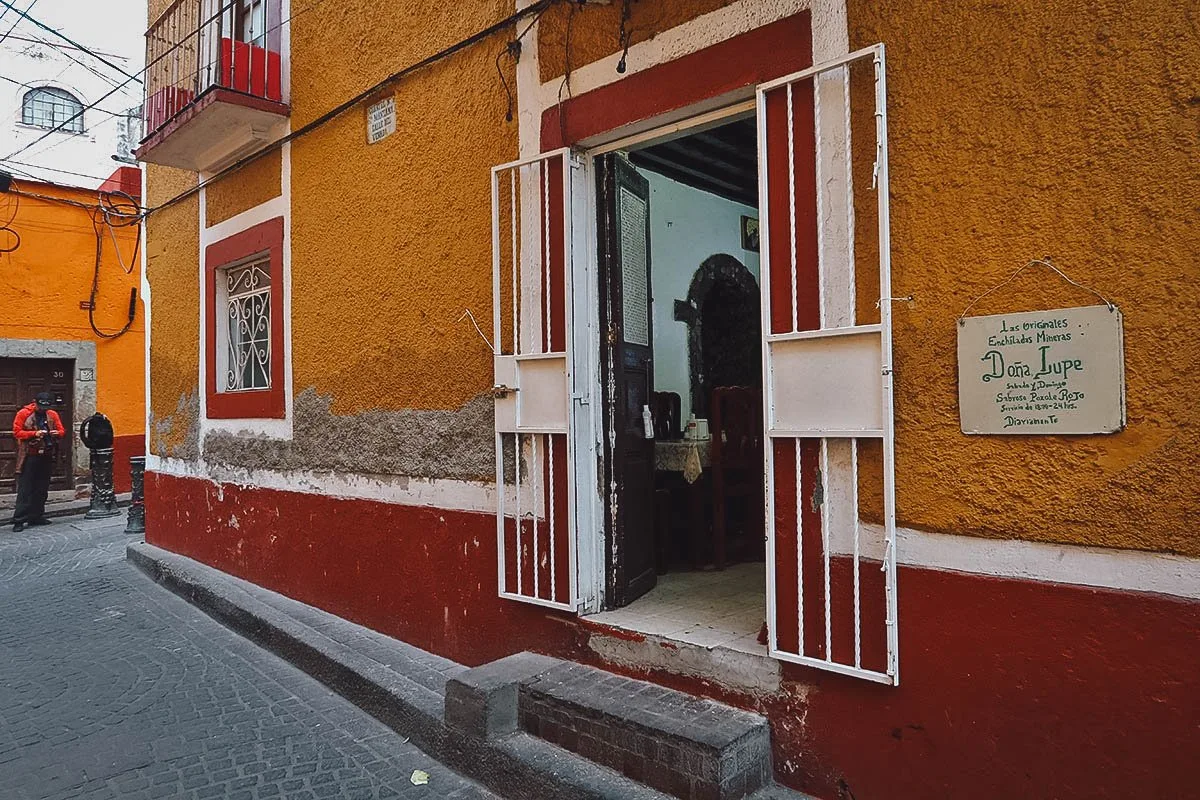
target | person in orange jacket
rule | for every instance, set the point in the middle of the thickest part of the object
(37, 429)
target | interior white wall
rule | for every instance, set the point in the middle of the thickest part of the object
(686, 226)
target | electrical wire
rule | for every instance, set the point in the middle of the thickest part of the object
(626, 33)
(69, 40)
(55, 45)
(566, 81)
(17, 21)
(52, 169)
(107, 210)
(7, 227)
(535, 8)
(51, 199)
(125, 218)
(110, 80)
(146, 69)
(513, 50)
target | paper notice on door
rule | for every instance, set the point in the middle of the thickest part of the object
(635, 307)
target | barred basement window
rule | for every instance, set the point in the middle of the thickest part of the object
(248, 311)
(52, 108)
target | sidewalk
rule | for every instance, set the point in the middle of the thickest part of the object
(61, 508)
(114, 688)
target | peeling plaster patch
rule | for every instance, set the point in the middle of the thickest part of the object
(178, 435)
(756, 675)
(455, 444)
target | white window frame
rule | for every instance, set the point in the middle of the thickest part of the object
(76, 117)
(222, 321)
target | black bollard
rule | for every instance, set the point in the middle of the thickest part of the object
(96, 432)
(136, 519)
(104, 499)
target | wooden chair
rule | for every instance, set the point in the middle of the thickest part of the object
(737, 468)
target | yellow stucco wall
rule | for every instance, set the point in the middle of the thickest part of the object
(172, 267)
(43, 281)
(1003, 149)
(1019, 130)
(385, 263)
(253, 185)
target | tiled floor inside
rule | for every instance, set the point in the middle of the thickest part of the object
(710, 609)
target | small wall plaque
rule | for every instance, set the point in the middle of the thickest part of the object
(87, 375)
(1042, 372)
(381, 120)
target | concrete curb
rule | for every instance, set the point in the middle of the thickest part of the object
(517, 766)
(71, 508)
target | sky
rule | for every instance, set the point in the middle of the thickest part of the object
(111, 27)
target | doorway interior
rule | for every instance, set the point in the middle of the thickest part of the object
(681, 382)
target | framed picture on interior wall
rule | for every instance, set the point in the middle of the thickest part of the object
(750, 234)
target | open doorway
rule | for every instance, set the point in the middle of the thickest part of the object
(681, 377)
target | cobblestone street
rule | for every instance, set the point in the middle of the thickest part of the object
(111, 686)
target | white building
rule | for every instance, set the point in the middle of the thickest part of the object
(46, 81)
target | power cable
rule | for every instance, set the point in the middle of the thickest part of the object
(341, 108)
(64, 50)
(69, 40)
(230, 4)
(108, 210)
(52, 169)
(111, 210)
(17, 21)
(7, 228)
(55, 45)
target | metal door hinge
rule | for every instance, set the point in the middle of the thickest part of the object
(502, 391)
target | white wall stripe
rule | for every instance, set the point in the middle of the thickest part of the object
(1102, 568)
(1107, 568)
(450, 495)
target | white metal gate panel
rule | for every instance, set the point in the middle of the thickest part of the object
(831, 557)
(531, 287)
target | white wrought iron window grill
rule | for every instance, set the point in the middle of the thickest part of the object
(48, 107)
(248, 312)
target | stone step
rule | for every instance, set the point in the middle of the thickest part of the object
(674, 743)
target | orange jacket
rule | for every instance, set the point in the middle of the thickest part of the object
(22, 433)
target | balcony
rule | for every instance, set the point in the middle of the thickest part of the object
(214, 83)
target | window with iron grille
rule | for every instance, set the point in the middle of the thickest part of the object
(248, 326)
(47, 107)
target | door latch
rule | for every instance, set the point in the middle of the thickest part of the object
(502, 391)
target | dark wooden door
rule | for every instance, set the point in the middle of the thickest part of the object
(20, 380)
(628, 377)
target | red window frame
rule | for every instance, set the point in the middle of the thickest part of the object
(265, 238)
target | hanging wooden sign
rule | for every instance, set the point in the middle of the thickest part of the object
(1042, 372)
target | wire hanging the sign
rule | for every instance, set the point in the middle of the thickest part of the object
(1043, 262)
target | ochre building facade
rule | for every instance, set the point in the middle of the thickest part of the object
(65, 248)
(1038, 594)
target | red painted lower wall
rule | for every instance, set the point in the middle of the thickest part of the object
(1010, 689)
(125, 448)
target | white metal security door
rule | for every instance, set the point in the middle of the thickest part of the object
(831, 558)
(531, 285)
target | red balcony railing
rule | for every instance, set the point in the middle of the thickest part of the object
(198, 45)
